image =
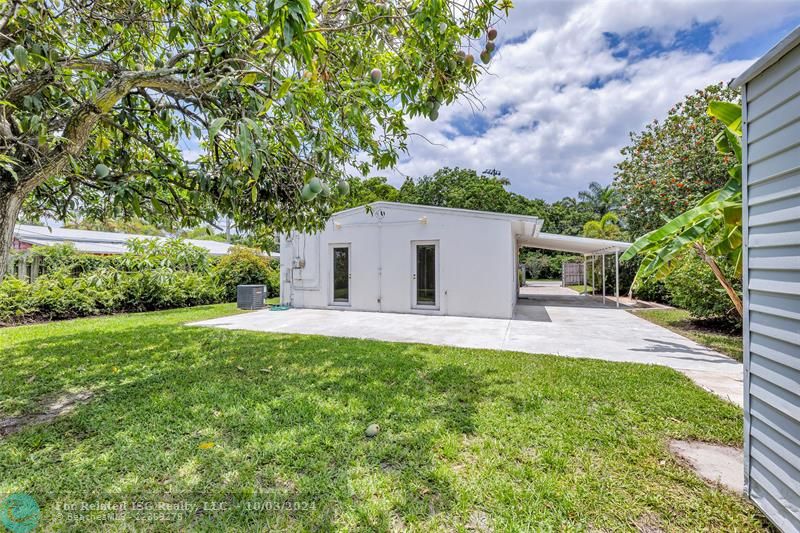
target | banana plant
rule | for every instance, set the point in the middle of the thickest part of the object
(712, 229)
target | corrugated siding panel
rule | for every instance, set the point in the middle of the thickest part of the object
(772, 298)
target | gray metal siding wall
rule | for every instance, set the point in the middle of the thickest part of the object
(772, 299)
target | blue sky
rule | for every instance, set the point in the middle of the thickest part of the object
(571, 79)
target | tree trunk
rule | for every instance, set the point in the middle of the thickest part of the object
(10, 204)
(737, 302)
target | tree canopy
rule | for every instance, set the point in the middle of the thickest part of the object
(180, 111)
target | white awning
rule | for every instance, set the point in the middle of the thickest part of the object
(576, 245)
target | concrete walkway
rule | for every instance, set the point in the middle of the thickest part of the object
(550, 320)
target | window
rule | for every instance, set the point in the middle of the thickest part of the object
(341, 274)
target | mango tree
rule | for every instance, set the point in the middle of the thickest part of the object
(180, 111)
(713, 228)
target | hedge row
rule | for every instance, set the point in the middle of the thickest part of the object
(152, 275)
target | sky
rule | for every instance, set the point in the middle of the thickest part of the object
(570, 79)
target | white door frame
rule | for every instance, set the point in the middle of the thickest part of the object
(437, 278)
(331, 277)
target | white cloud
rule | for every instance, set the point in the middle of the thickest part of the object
(559, 134)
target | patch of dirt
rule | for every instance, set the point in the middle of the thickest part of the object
(648, 523)
(479, 521)
(46, 411)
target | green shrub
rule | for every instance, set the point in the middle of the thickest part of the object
(652, 291)
(15, 300)
(274, 282)
(693, 286)
(172, 254)
(60, 296)
(244, 266)
(153, 274)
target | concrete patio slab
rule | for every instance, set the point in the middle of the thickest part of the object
(579, 329)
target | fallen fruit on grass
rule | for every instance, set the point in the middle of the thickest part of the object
(372, 430)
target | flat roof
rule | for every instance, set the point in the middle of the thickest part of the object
(101, 242)
(770, 58)
(444, 210)
(528, 229)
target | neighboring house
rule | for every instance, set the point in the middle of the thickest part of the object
(407, 258)
(771, 281)
(85, 241)
(96, 242)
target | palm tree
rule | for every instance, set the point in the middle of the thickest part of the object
(605, 228)
(601, 199)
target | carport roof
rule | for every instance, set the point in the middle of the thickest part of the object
(576, 245)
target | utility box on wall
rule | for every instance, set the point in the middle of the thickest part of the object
(771, 281)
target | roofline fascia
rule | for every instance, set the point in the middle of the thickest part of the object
(767, 60)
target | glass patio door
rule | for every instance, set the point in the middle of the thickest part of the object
(425, 273)
(341, 274)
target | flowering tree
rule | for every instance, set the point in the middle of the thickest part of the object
(713, 228)
(672, 164)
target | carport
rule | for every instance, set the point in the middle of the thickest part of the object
(587, 247)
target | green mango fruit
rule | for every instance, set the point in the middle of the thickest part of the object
(343, 187)
(21, 56)
(307, 194)
(101, 171)
(315, 185)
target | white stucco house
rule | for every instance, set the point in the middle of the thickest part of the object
(407, 258)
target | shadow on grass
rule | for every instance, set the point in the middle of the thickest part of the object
(196, 414)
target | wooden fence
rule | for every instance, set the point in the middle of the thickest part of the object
(571, 274)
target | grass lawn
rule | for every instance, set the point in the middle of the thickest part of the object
(681, 322)
(579, 288)
(250, 431)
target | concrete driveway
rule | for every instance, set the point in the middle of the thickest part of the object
(548, 320)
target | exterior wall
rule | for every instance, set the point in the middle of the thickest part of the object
(17, 244)
(475, 261)
(771, 142)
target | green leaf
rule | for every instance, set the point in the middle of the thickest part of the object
(215, 126)
(728, 113)
(257, 162)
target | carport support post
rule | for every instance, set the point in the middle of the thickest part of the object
(584, 274)
(593, 280)
(603, 275)
(616, 281)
